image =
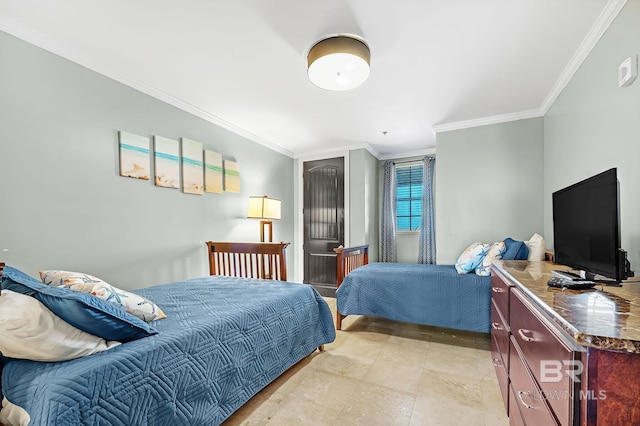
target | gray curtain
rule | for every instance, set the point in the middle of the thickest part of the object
(388, 222)
(427, 247)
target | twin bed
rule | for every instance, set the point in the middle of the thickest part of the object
(224, 339)
(433, 295)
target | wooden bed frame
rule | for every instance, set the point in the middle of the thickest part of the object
(349, 258)
(248, 260)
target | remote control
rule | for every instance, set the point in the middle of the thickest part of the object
(566, 275)
(570, 284)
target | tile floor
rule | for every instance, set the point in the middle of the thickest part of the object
(381, 372)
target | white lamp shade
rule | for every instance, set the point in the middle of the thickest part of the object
(263, 207)
(339, 63)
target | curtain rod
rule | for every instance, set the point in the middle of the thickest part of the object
(412, 161)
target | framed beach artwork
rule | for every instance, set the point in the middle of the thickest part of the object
(231, 176)
(192, 167)
(166, 155)
(134, 156)
(212, 172)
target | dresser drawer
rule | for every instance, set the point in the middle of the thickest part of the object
(500, 332)
(500, 293)
(515, 416)
(501, 372)
(526, 395)
(550, 361)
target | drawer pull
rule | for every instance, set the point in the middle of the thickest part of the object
(497, 290)
(522, 331)
(497, 363)
(521, 395)
(496, 326)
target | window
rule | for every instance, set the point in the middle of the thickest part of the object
(408, 197)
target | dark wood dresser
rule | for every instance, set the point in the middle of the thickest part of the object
(564, 357)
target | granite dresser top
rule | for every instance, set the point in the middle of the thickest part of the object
(605, 317)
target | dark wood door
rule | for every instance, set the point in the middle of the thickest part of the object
(323, 221)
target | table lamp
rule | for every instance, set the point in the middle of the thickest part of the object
(266, 209)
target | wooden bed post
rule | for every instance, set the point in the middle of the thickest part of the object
(348, 259)
(340, 270)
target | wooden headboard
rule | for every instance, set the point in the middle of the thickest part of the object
(248, 260)
(350, 258)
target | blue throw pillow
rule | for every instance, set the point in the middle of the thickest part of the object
(82, 310)
(515, 250)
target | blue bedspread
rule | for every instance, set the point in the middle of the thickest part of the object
(423, 294)
(223, 340)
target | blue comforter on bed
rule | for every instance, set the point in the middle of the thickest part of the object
(223, 340)
(423, 294)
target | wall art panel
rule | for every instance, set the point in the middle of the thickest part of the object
(231, 176)
(166, 156)
(192, 167)
(134, 156)
(212, 172)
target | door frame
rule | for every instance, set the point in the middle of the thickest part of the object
(298, 218)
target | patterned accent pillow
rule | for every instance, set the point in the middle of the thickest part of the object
(495, 253)
(81, 310)
(136, 305)
(471, 257)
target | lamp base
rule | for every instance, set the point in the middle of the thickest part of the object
(266, 224)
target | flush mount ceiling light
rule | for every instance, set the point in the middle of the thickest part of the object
(339, 63)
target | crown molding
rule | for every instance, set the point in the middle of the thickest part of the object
(338, 151)
(599, 27)
(477, 122)
(37, 39)
(418, 153)
(326, 153)
(321, 154)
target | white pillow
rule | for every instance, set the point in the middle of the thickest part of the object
(29, 330)
(495, 252)
(12, 415)
(136, 305)
(536, 247)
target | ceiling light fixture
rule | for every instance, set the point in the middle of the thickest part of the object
(339, 63)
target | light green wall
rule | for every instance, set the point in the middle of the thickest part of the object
(594, 125)
(363, 201)
(489, 185)
(63, 205)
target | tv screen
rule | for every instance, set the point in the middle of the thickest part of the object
(586, 229)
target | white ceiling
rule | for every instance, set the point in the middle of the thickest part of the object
(435, 65)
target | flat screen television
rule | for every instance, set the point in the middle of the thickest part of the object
(586, 228)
